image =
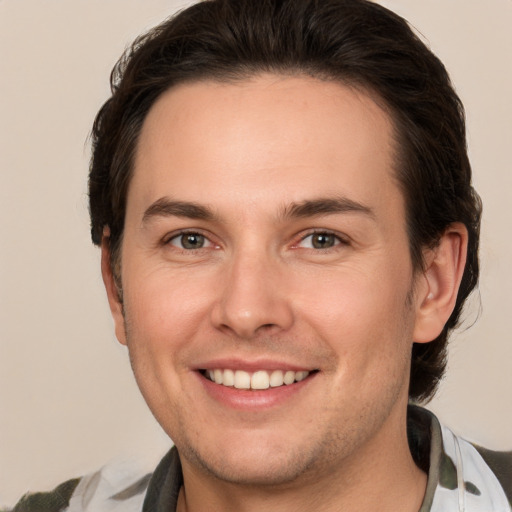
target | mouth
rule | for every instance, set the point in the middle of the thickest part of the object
(258, 380)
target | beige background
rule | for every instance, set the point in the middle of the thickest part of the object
(68, 402)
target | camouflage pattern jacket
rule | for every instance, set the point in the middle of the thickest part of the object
(461, 478)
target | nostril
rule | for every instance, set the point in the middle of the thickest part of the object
(267, 329)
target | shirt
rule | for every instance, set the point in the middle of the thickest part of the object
(462, 477)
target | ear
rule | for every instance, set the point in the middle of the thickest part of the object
(439, 284)
(115, 303)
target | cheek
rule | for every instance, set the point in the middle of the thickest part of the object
(355, 298)
(162, 317)
(365, 320)
(166, 307)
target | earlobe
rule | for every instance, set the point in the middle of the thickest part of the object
(441, 281)
(115, 303)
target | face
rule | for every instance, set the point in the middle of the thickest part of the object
(268, 294)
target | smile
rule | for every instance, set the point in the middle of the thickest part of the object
(258, 380)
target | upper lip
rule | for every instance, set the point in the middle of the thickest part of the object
(252, 365)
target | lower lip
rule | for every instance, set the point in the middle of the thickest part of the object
(257, 400)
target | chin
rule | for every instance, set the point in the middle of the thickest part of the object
(253, 464)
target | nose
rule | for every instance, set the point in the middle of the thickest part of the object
(253, 298)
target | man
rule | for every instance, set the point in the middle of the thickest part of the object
(283, 201)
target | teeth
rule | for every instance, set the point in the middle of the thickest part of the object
(276, 378)
(242, 380)
(289, 377)
(217, 375)
(260, 379)
(228, 379)
(301, 375)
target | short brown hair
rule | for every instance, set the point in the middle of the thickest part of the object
(355, 42)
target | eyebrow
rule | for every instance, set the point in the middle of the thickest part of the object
(325, 206)
(165, 207)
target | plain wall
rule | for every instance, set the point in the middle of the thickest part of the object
(68, 402)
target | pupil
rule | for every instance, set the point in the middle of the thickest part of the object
(323, 241)
(192, 241)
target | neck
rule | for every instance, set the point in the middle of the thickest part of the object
(378, 476)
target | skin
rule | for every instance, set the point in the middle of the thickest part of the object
(258, 293)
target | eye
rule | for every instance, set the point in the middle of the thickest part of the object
(190, 241)
(320, 240)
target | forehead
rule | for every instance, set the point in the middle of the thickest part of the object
(265, 138)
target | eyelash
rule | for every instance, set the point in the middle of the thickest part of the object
(338, 240)
(174, 236)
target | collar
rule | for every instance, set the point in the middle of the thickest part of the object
(459, 478)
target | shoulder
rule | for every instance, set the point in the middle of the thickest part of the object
(478, 477)
(461, 475)
(53, 501)
(501, 465)
(115, 488)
